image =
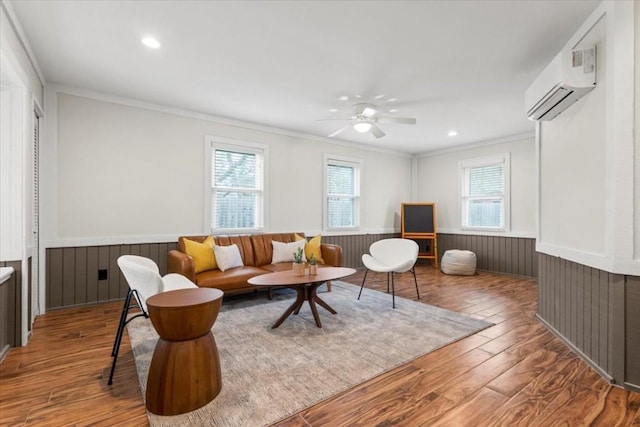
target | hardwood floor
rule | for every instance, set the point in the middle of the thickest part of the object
(513, 373)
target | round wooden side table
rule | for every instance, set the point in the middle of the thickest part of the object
(185, 369)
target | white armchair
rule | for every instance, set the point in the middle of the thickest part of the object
(143, 277)
(391, 256)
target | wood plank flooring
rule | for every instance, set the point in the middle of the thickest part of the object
(513, 373)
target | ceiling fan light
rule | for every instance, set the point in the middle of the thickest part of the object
(362, 127)
(151, 42)
(368, 112)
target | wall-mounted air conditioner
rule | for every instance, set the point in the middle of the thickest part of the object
(565, 80)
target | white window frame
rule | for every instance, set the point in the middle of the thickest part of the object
(503, 160)
(342, 161)
(212, 143)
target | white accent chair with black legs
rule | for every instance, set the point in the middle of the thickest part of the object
(143, 277)
(391, 256)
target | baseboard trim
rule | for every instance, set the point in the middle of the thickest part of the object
(4, 352)
(604, 374)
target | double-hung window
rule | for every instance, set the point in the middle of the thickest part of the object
(485, 186)
(342, 193)
(237, 186)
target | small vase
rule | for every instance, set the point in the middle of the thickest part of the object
(298, 269)
(313, 269)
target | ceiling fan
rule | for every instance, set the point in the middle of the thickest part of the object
(366, 118)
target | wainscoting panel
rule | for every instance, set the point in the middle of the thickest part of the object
(11, 307)
(574, 300)
(73, 273)
(354, 246)
(632, 318)
(510, 255)
(595, 312)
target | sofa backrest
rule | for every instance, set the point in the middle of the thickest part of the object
(243, 243)
(256, 249)
(263, 248)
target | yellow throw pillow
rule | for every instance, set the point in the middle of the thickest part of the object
(312, 247)
(202, 253)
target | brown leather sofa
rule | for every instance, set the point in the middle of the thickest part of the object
(256, 251)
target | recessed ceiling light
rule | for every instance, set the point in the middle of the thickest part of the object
(452, 133)
(392, 99)
(343, 98)
(379, 96)
(393, 110)
(333, 110)
(151, 42)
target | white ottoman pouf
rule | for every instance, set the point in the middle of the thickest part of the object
(456, 261)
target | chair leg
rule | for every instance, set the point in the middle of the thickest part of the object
(328, 285)
(123, 319)
(362, 286)
(413, 270)
(121, 325)
(393, 291)
(388, 282)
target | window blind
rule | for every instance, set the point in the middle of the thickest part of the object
(237, 185)
(341, 196)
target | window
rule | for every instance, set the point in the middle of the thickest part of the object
(237, 186)
(485, 193)
(342, 193)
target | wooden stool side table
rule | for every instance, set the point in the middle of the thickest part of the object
(185, 369)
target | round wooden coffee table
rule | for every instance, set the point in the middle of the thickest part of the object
(185, 370)
(305, 286)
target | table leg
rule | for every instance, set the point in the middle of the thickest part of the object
(300, 298)
(306, 293)
(314, 296)
(314, 310)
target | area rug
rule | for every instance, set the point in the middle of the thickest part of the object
(270, 374)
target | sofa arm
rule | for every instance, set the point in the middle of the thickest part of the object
(331, 254)
(181, 263)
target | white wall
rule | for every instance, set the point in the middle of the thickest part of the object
(589, 177)
(636, 200)
(127, 173)
(21, 94)
(573, 171)
(438, 175)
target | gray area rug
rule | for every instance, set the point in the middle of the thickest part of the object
(270, 374)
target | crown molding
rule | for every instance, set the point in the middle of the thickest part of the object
(478, 144)
(24, 41)
(130, 102)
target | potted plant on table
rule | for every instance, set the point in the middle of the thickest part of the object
(313, 265)
(298, 263)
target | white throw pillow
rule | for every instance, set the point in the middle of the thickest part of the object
(228, 257)
(283, 252)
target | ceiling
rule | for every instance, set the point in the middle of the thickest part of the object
(452, 65)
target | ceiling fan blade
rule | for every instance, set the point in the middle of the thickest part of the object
(376, 131)
(337, 118)
(402, 120)
(339, 131)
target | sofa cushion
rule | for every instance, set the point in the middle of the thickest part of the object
(283, 252)
(283, 266)
(312, 247)
(234, 279)
(201, 253)
(228, 257)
